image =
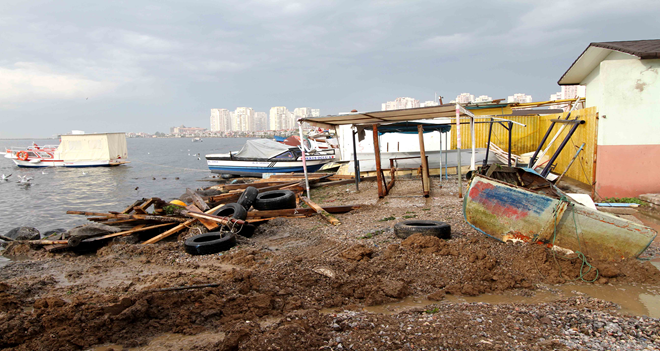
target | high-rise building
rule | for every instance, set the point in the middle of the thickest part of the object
(519, 98)
(569, 92)
(400, 103)
(428, 103)
(260, 121)
(316, 112)
(243, 119)
(220, 120)
(280, 118)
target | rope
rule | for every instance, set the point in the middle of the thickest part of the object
(580, 255)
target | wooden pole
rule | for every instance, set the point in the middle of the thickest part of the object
(356, 164)
(176, 229)
(473, 159)
(328, 217)
(302, 147)
(379, 172)
(426, 182)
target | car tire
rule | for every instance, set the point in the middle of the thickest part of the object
(247, 197)
(232, 210)
(405, 229)
(210, 243)
(275, 200)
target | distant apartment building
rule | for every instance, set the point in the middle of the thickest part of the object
(220, 120)
(464, 98)
(570, 92)
(519, 98)
(428, 103)
(280, 118)
(483, 98)
(243, 119)
(316, 112)
(183, 130)
(260, 121)
(400, 103)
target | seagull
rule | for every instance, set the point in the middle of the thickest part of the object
(43, 172)
(6, 177)
(83, 173)
(198, 158)
(24, 179)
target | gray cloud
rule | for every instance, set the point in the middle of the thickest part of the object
(148, 65)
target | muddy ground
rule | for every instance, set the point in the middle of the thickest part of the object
(302, 284)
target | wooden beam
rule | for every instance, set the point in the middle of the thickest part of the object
(341, 182)
(126, 233)
(176, 229)
(328, 217)
(129, 216)
(382, 192)
(197, 200)
(128, 209)
(142, 209)
(426, 181)
(301, 211)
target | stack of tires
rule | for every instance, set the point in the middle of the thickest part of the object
(222, 240)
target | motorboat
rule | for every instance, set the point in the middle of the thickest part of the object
(75, 150)
(197, 140)
(266, 156)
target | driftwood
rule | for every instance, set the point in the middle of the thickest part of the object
(6, 238)
(128, 209)
(210, 225)
(128, 232)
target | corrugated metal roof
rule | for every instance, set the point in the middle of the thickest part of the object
(379, 117)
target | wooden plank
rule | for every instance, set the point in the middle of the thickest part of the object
(47, 242)
(142, 209)
(210, 225)
(128, 232)
(257, 185)
(341, 182)
(128, 209)
(197, 200)
(426, 182)
(301, 211)
(129, 216)
(51, 248)
(328, 217)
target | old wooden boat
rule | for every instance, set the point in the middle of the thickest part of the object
(517, 203)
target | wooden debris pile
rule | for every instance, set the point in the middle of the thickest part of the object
(153, 219)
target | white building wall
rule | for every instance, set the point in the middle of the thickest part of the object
(627, 90)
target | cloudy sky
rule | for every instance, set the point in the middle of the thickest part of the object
(146, 66)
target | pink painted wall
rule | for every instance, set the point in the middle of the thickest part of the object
(627, 170)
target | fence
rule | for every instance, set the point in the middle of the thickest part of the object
(526, 139)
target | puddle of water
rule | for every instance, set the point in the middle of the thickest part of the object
(634, 300)
(168, 341)
(648, 221)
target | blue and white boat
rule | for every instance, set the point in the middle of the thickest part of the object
(266, 156)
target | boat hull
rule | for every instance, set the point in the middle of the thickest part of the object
(258, 168)
(61, 163)
(504, 211)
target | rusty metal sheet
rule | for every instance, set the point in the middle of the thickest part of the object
(504, 211)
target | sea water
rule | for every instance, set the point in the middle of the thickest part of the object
(55, 190)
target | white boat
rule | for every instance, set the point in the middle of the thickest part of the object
(266, 156)
(76, 150)
(195, 140)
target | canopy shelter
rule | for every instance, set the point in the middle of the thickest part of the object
(406, 120)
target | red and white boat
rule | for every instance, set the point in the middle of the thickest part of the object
(77, 150)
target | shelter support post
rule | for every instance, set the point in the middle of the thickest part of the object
(302, 147)
(510, 130)
(474, 147)
(440, 158)
(356, 163)
(458, 149)
(382, 190)
(426, 182)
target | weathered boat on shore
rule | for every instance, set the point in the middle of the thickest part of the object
(266, 156)
(517, 203)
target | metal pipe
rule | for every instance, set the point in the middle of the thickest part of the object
(510, 130)
(458, 148)
(490, 132)
(554, 157)
(302, 147)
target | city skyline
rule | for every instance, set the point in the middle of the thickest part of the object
(108, 66)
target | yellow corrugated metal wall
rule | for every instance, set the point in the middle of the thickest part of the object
(527, 139)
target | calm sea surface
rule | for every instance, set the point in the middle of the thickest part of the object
(44, 203)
